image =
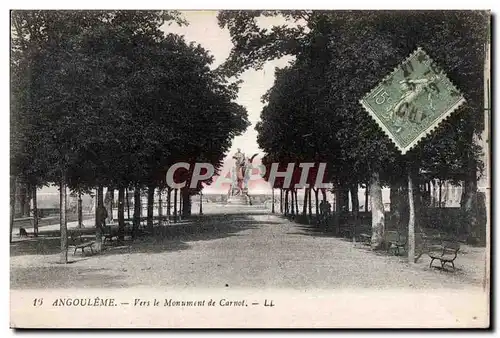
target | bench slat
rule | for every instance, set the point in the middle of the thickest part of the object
(447, 254)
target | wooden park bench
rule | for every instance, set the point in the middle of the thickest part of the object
(24, 223)
(395, 241)
(362, 233)
(78, 242)
(108, 234)
(366, 239)
(427, 242)
(346, 230)
(447, 254)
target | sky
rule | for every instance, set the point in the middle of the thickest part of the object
(203, 29)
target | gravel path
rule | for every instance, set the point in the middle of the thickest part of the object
(255, 249)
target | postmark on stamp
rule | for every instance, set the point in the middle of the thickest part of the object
(411, 101)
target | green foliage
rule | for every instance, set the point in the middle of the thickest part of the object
(313, 108)
(106, 98)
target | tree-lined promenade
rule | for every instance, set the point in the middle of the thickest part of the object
(106, 99)
(312, 113)
(236, 249)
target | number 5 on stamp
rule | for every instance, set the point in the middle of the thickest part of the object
(380, 99)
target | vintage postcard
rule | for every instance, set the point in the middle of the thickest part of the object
(250, 169)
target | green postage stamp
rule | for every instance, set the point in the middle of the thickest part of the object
(411, 101)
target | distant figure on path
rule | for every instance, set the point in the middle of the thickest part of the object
(328, 208)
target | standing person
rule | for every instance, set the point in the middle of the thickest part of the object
(328, 208)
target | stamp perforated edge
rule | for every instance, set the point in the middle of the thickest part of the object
(429, 129)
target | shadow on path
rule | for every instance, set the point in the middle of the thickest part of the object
(98, 271)
(171, 237)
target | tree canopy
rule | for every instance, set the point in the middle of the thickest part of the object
(109, 99)
(340, 56)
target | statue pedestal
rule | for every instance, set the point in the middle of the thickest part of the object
(239, 200)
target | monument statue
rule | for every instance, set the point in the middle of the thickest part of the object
(240, 175)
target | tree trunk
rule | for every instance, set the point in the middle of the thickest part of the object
(316, 191)
(27, 200)
(304, 203)
(201, 202)
(345, 198)
(281, 200)
(286, 202)
(108, 200)
(417, 199)
(137, 211)
(169, 201)
(296, 202)
(80, 211)
(434, 191)
(175, 205)
(310, 204)
(35, 211)
(180, 204)
(429, 194)
(440, 193)
(470, 206)
(366, 197)
(19, 198)
(338, 209)
(339, 198)
(342, 198)
(62, 221)
(128, 204)
(411, 223)
(121, 213)
(470, 197)
(12, 203)
(160, 207)
(355, 209)
(378, 218)
(292, 202)
(98, 232)
(463, 195)
(395, 201)
(186, 203)
(151, 201)
(354, 198)
(100, 196)
(272, 205)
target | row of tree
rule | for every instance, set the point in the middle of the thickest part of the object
(107, 99)
(312, 112)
